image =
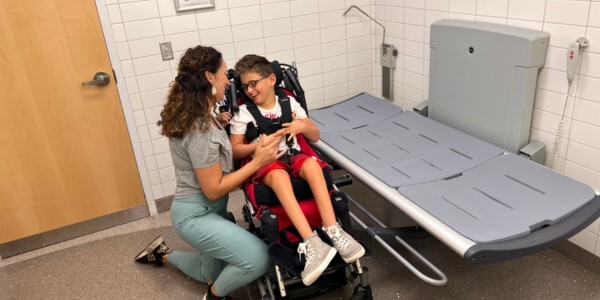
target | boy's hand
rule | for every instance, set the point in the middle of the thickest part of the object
(293, 128)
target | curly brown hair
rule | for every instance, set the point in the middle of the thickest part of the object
(254, 63)
(190, 98)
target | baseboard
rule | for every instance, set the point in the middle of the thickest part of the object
(579, 255)
(164, 204)
(72, 231)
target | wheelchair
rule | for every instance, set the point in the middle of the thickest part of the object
(266, 218)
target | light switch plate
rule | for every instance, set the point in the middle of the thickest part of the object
(166, 51)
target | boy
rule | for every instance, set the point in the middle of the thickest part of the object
(258, 82)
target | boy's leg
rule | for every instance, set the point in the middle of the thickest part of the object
(279, 181)
(312, 172)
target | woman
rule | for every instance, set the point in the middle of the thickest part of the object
(229, 256)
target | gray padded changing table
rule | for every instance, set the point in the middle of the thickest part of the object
(485, 204)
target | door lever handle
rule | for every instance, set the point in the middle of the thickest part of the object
(100, 79)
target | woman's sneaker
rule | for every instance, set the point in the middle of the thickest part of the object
(154, 252)
(209, 295)
(350, 250)
(318, 256)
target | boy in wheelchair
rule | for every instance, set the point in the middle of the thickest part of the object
(282, 112)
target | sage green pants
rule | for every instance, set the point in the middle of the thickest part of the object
(228, 255)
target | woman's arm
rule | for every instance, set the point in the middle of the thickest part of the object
(239, 146)
(215, 185)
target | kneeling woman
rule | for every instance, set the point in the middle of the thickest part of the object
(228, 256)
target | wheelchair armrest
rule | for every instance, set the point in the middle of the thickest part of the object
(343, 180)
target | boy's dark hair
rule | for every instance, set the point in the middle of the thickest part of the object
(254, 63)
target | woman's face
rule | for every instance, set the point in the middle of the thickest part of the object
(220, 81)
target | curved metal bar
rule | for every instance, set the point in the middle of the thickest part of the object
(362, 11)
(442, 277)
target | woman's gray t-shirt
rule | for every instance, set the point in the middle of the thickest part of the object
(199, 150)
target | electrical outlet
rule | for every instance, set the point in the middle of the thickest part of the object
(166, 51)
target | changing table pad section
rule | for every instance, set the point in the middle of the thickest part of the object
(357, 111)
(505, 198)
(408, 149)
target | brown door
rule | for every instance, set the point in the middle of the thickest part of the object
(65, 153)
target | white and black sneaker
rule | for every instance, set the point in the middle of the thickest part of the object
(154, 252)
(350, 250)
(318, 256)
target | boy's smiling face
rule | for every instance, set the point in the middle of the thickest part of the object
(259, 88)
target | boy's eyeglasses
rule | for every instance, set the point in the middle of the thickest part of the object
(251, 84)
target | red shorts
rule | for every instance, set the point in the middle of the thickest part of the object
(293, 168)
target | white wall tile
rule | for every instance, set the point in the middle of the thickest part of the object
(567, 12)
(589, 88)
(132, 86)
(152, 115)
(279, 43)
(359, 43)
(212, 19)
(246, 32)
(359, 58)
(179, 24)
(414, 16)
(442, 5)
(331, 34)
(123, 49)
(304, 23)
(310, 68)
(584, 155)
(183, 41)
(312, 82)
(308, 53)
(216, 36)
(532, 10)
(245, 15)
(590, 64)
(307, 38)
(563, 35)
(360, 71)
(331, 18)
(136, 11)
(408, 3)
(334, 49)
(145, 47)
(304, 7)
(166, 8)
(154, 81)
(331, 5)
(241, 3)
(492, 8)
(127, 67)
(587, 111)
(463, 6)
(277, 27)
(247, 47)
(274, 11)
(335, 91)
(335, 63)
(154, 98)
(143, 29)
(150, 64)
(585, 134)
(118, 31)
(583, 174)
(114, 14)
(594, 18)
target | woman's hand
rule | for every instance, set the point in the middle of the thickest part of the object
(294, 128)
(224, 117)
(267, 148)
